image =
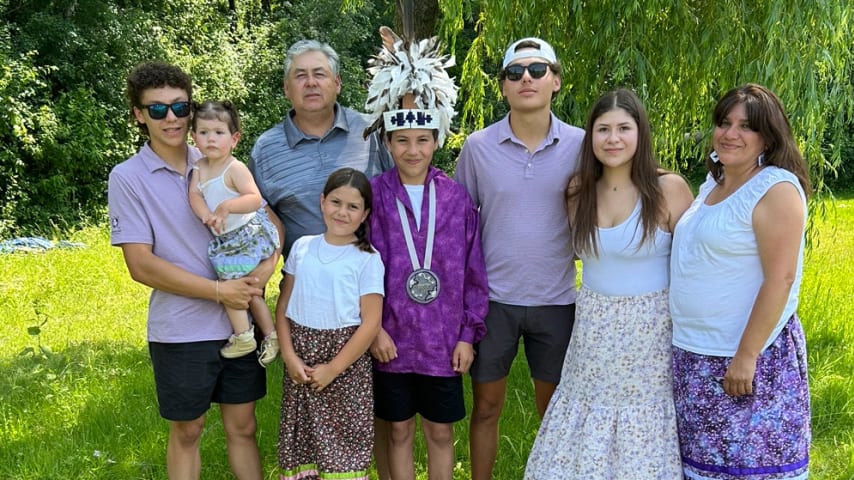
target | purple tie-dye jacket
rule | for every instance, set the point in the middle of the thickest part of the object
(425, 335)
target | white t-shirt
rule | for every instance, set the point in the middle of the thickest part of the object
(416, 198)
(329, 281)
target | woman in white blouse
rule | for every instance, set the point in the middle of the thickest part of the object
(740, 372)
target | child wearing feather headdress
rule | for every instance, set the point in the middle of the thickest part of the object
(427, 231)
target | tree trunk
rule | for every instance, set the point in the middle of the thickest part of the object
(425, 15)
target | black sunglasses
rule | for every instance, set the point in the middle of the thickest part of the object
(158, 111)
(535, 70)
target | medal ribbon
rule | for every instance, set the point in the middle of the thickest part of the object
(431, 230)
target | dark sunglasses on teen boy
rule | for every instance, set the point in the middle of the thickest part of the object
(535, 70)
(158, 111)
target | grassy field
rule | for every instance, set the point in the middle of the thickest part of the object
(77, 397)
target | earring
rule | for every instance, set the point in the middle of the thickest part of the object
(761, 159)
(714, 156)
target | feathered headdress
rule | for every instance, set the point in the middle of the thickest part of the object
(413, 67)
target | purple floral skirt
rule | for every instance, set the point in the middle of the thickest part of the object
(765, 435)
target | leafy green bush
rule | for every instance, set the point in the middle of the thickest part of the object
(65, 123)
(25, 120)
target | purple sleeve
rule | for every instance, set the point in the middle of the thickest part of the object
(476, 296)
(129, 223)
(464, 172)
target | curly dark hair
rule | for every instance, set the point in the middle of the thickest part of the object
(150, 75)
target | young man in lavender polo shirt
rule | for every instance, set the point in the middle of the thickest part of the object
(516, 171)
(165, 247)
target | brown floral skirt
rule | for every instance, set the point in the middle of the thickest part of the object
(327, 434)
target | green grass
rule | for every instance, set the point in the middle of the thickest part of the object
(827, 311)
(84, 407)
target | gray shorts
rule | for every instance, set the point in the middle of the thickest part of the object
(545, 331)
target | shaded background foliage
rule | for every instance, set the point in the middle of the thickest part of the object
(64, 122)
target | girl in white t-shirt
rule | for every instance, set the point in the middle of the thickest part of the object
(328, 314)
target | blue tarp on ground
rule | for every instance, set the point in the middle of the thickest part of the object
(35, 244)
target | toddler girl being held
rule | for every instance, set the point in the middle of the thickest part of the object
(224, 196)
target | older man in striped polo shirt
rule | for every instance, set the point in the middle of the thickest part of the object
(292, 160)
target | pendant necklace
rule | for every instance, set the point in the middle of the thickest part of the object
(422, 286)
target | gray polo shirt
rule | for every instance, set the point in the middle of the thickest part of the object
(148, 204)
(291, 167)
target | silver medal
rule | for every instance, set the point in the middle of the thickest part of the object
(422, 286)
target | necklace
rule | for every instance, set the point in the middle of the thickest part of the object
(338, 251)
(422, 286)
(614, 188)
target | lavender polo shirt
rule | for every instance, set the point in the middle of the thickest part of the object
(524, 226)
(148, 204)
(426, 334)
(291, 167)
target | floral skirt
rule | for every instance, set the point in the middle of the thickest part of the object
(327, 434)
(238, 252)
(612, 415)
(765, 435)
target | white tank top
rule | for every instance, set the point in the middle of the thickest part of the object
(716, 268)
(624, 266)
(215, 192)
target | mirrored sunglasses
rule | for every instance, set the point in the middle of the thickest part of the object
(535, 70)
(158, 111)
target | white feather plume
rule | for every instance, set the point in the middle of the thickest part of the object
(419, 68)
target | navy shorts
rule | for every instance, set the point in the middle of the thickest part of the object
(399, 396)
(545, 331)
(191, 376)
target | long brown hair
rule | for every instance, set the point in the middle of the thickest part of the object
(766, 116)
(644, 175)
(350, 177)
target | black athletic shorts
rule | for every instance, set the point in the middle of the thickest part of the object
(191, 376)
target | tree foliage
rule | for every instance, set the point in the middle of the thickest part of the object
(64, 122)
(680, 57)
